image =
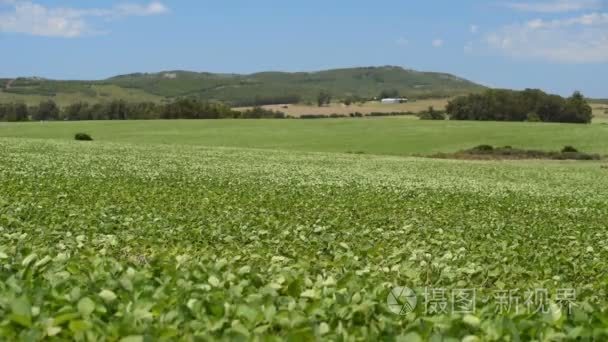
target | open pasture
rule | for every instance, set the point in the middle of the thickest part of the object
(385, 136)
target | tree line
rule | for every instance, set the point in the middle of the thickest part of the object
(122, 110)
(527, 105)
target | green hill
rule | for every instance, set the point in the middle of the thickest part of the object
(265, 87)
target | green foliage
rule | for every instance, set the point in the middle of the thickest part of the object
(83, 137)
(46, 110)
(140, 242)
(569, 149)
(323, 98)
(248, 90)
(533, 117)
(432, 114)
(483, 148)
(386, 94)
(261, 113)
(530, 105)
(189, 108)
(14, 112)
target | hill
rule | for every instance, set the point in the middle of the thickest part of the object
(240, 90)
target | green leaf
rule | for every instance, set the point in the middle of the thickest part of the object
(133, 338)
(21, 312)
(78, 326)
(107, 295)
(86, 306)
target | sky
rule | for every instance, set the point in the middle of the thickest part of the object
(556, 45)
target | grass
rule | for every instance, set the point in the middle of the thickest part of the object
(172, 242)
(385, 136)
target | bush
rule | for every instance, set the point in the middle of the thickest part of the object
(508, 152)
(533, 117)
(261, 113)
(313, 116)
(431, 114)
(483, 148)
(83, 137)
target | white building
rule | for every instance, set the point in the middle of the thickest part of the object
(393, 101)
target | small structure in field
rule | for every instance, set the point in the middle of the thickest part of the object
(394, 100)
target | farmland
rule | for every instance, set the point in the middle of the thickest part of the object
(383, 136)
(298, 110)
(600, 112)
(114, 240)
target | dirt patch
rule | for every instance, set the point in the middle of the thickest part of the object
(298, 110)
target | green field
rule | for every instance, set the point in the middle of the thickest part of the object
(254, 229)
(107, 240)
(386, 136)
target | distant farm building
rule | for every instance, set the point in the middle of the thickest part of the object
(393, 101)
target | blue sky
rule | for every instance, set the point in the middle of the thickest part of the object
(556, 45)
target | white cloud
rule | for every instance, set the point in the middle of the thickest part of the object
(556, 6)
(35, 19)
(152, 8)
(581, 39)
(437, 43)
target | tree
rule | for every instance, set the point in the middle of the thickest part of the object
(76, 111)
(21, 112)
(530, 105)
(323, 98)
(389, 94)
(47, 110)
(577, 110)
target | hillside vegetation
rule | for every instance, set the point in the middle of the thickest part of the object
(241, 90)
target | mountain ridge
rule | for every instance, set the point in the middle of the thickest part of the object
(245, 89)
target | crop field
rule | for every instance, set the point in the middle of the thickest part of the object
(298, 110)
(384, 136)
(600, 112)
(111, 241)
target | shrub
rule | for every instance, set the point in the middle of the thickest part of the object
(568, 148)
(313, 116)
(83, 137)
(431, 114)
(483, 148)
(533, 117)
